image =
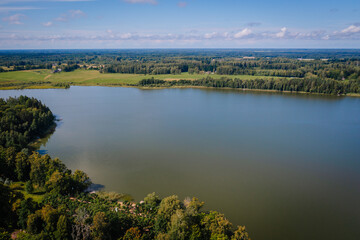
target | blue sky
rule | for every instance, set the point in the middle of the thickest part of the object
(54, 24)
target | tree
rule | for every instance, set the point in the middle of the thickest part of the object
(27, 206)
(179, 226)
(34, 223)
(29, 188)
(62, 228)
(22, 166)
(240, 234)
(193, 206)
(81, 229)
(216, 226)
(167, 208)
(59, 183)
(39, 166)
(81, 181)
(132, 233)
(152, 200)
(100, 225)
(5, 205)
(50, 217)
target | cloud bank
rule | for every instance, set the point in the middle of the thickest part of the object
(14, 19)
(351, 32)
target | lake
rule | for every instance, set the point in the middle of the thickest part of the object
(287, 166)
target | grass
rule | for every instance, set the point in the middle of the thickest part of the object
(46, 79)
(37, 195)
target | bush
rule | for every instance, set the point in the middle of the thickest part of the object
(29, 188)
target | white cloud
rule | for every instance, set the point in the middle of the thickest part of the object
(200, 37)
(126, 36)
(14, 19)
(351, 29)
(351, 32)
(47, 24)
(210, 35)
(153, 2)
(243, 33)
(282, 32)
(71, 14)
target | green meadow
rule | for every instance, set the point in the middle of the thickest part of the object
(43, 78)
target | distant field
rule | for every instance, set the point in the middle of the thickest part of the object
(47, 79)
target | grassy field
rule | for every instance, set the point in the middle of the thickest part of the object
(37, 195)
(47, 79)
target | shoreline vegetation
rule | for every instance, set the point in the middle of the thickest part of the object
(42, 199)
(44, 79)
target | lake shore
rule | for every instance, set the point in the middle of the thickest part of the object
(168, 87)
(45, 79)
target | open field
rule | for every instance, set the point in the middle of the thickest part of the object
(46, 79)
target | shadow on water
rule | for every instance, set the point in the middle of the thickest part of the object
(43, 140)
(42, 152)
(59, 121)
(95, 187)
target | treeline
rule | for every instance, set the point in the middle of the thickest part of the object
(22, 120)
(276, 67)
(324, 64)
(38, 57)
(41, 199)
(293, 84)
(21, 66)
(70, 67)
(143, 68)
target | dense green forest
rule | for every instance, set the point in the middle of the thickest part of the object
(40, 198)
(291, 85)
(22, 120)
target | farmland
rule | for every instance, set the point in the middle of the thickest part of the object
(43, 78)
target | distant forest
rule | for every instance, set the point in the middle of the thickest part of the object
(332, 71)
(331, 87)
(324, 64)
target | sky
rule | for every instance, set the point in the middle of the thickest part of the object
(121, 24)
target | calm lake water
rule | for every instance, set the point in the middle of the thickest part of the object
(286, 166)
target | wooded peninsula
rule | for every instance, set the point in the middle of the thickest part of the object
(41, 199)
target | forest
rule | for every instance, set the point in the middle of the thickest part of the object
(331, 87)
(41, 199)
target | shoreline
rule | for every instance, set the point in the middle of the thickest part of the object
(179, 87)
